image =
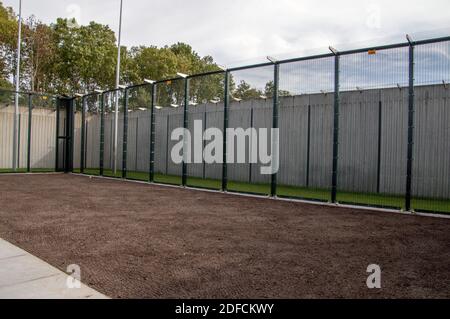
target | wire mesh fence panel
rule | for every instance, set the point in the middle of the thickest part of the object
(43, 155)
(376, 143)
(138, 132)
(205, 115)
(373, 114)
(306, 129)
(249, 130)
(92, 127)
(6, 130)
(112, 153)
(77, 136)
(168, 110)
(7, 119)
(431, 168)
(62, 124)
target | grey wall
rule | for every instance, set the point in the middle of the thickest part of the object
(359, 140)
(43, 130)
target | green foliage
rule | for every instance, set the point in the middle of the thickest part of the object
(67, 58)
(203, 89)
(268, 90)
(37, 55)
(8, 32)
(150, 62)
(244, 91)
(170, 93)
(140, 98)
(85, 56)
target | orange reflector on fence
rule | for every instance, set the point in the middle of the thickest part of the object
(372, 52)
(168, 82)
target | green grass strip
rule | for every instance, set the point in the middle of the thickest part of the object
(367, 199)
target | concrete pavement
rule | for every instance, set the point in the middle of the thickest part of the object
(24, 276)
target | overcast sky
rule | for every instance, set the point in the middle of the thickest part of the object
(237, 32)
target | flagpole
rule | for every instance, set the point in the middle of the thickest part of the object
(116, 113)
(17, 80)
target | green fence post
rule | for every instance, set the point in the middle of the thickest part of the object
(185, 126)
(226, 102)
(102, 132)
(30, 110)
(380, 127)
(58, 101)
(69, 133)
(83, 130)
(152, 136)
(275, 148)
(411, 111)
(335, 125)
(125, 134)
(308, 146)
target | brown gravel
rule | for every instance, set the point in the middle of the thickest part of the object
(145, 241)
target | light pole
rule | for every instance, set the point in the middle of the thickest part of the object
(16, 107)
(116, 113)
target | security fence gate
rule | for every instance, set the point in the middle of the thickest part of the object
(361, 127)
(43, 133)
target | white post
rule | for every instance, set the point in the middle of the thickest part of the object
(16, 108)
(116, 113)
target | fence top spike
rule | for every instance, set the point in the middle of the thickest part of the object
(272, 59)
(408, 37)
(236, 99)
(335, 52)
(182, 75)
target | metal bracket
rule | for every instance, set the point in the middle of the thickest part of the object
(272, 59)
(333, 50)
(410, 40)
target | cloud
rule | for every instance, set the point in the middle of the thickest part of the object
(237, 32)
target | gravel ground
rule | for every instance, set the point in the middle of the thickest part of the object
(145, 241)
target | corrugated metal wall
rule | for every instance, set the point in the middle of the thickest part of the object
(360, 134)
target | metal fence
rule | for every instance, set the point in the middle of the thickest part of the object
(361, 127)
(41, 125)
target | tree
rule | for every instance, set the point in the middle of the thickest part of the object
(150, 62)
(67, 58)
(38, 55)
(8, 32)
(268, 90)
(245, 91)
(85, 57)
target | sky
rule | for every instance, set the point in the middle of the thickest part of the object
(238, 32)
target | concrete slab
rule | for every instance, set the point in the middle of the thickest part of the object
(24, 276)
(8, 250)
(23, 268)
